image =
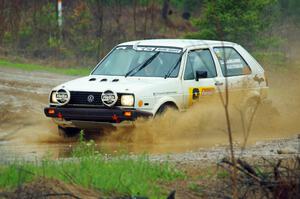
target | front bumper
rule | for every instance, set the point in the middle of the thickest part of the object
(93, 117)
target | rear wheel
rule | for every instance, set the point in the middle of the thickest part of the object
(68, 132)
(249, 111)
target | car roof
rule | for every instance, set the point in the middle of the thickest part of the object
(180, 43)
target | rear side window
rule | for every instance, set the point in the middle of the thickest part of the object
(199, 60)
(229, 58)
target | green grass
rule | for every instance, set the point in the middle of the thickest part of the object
(52, 69)
(121, 174)
(196, 187)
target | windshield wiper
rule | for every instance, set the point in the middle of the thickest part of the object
(141, 66)
(175, 66)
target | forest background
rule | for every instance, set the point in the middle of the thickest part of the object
(30, 29)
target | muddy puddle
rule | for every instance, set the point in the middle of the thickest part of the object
(27, 134)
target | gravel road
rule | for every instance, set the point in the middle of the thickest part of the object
(272, 149)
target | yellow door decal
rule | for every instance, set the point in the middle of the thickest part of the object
(195, 93)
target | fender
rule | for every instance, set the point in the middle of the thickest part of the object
(163, 100)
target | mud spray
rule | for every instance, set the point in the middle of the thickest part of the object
(205, 125)
(24, 130)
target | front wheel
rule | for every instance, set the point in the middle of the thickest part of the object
(164, 108)
(68, 132)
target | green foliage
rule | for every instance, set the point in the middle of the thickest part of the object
(178, 3)
(268, 50)
(196, 187)
(54, 42)
(274, 58)
(222, 174)
(191, 5)
(8, 38)
(52, 69)
(290, 8)
(46, 17)
(84, 148)
(239, 21)
(122, 174)
(45, 27)
(25, 32)
(38, 33)
(79, 31)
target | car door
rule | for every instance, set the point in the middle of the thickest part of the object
(200, 60)
(235, 69)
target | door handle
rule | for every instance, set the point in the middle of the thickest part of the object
(218, 83)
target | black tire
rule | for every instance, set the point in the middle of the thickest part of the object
(163, 109)
(68, 132)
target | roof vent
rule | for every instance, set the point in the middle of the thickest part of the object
(92, 79)
(103, 80)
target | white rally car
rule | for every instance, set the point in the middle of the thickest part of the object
(144, 78)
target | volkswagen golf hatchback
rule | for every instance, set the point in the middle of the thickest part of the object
(144, 78)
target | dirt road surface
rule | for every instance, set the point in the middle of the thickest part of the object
(26, 133)
(23, 95)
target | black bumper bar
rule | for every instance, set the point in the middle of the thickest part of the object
(111, 115)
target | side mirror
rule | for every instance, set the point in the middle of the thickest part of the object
(200, 74)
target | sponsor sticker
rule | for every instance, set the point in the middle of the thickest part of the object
(195, 93)
(151, 49)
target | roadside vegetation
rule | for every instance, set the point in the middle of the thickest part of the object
(120, 175)
(37, 67)
(260, 178)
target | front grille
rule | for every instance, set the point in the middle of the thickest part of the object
(79, 97)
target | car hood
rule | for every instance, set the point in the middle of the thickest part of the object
(118, 84)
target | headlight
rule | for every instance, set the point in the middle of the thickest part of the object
(61, 97)
(53, 98)
(127, 100)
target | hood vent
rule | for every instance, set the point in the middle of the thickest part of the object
(103, 80)
(92, 79)
(115, 80)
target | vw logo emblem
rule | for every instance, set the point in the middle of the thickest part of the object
(109, 98)
(90, 98)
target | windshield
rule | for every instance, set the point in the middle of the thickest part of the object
(141, 62)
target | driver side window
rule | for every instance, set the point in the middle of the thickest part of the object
(199, 60)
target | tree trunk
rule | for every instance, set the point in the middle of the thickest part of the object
(152, 17)
(145, 20)
(165, 9)
(3, 20)
(186, 11)
(99, 22)
(134, 17)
